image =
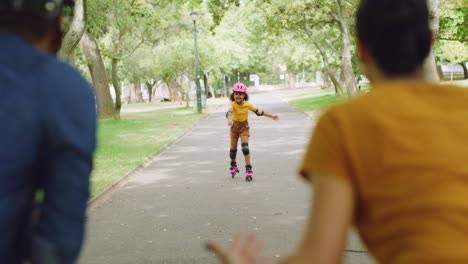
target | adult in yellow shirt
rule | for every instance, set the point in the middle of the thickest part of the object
(393, 162)
(238, 115)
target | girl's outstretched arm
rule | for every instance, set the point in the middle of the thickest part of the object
(274, 117)
(259, 112)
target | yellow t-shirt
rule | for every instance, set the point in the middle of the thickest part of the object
(240, 113)
(404, 149)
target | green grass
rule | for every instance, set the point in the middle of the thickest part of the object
(314, 100)
(319, 99)
(125, 144)
(315, 103)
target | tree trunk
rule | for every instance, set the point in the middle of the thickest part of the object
(292, 80)
(429, 66)
(117, 89)
(225, 89)
(205, 83)
(149, 88)
(346, 64)
(98, 74)
(75, 33)
(439, 72)
(336, 83)
(465, 71)
(179, 84)
(129, 94)
(138, 93)
(172, 91)
(326, 79)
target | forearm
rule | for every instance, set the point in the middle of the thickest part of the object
(330, 217)
(59, 233)
(229, 115)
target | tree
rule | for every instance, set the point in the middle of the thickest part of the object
(122, 26)
(429, 66)
(316, 21)
(98, 74)
(453, 32)
(138, 68)
(453, 20)
(74, 32)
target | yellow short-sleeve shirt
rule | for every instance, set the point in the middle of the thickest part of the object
(404, 149)
(240, 113)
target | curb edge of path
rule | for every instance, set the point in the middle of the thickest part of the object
(103, 196)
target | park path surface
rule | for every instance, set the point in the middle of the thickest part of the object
(165, 213)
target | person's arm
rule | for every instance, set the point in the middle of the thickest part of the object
(326, 165)
(274, 117)
(229, 116)
(330, 218)
(69, 128)
(259, 112)
(327, 227)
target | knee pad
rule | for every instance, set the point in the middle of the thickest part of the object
(233, 153)
(245, 149)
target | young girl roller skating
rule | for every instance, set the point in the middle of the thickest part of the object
(237, 115)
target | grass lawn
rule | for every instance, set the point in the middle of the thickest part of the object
(318, 99)
(313, 100)
(125, 144)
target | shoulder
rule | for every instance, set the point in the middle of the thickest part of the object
(383, 101)
(65, 83)
(68, 99)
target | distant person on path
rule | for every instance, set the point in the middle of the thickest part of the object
(392, 162)
(237, 115)
(47, 138)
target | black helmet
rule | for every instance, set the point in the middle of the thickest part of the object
(45, 8)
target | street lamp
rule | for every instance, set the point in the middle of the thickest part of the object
(194, 16)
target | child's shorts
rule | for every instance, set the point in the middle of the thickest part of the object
(240, 129)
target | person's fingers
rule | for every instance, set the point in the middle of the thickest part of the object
(250, 242)
(236, 242)
(258, 248)
(264, 260)
(215, 248)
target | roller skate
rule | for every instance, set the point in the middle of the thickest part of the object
(248, 173)
(233, 170)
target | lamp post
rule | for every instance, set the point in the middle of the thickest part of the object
(194, 16)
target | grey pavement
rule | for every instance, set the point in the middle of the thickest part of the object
(186, 196)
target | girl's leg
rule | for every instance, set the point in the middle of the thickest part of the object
(245, 139)
(234, 141)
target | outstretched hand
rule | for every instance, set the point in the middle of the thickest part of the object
(248, 252)
(275, 117)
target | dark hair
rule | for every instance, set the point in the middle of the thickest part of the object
(396, 32)
(30, 27)
(246, 98)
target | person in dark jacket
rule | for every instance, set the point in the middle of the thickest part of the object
(47, 138)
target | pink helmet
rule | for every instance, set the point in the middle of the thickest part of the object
(239, 87)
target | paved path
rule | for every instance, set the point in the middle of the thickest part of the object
(186, 196)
